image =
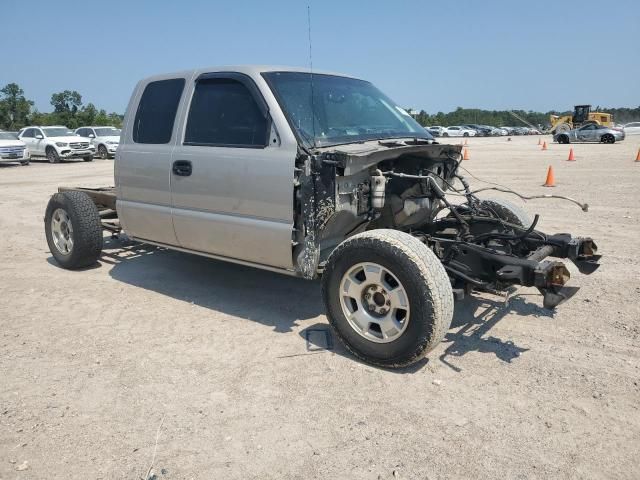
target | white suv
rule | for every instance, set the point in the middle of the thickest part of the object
(104, 139)
(56, 143)
(12, 149)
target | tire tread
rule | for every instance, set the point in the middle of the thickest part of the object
(87, 229)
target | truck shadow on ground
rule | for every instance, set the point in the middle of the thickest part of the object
(269, 298)
(475, 316)
(280, 301)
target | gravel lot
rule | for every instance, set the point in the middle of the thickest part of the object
(225, 367)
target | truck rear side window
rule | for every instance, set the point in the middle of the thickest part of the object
(157, 111)
(224, 113)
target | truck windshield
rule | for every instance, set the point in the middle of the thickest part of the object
(342, 110)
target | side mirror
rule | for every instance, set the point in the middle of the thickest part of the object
(39, 137)
(91, 135)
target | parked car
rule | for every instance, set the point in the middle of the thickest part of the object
(56, 143)
(12, 149)
(436, 131)
(591, 132)
(242, 169)
(104, 139)
(458, 131)
(520, 131)
(481, 130)
(632, 128)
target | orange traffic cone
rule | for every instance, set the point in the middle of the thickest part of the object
(539, 141)
(638, 156)
(551, 180)
(466, 154)
(571, 157)
(544, 145)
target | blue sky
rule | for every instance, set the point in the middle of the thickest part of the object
(537, 55)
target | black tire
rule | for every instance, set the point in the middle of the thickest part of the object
(103, 153)
(420, 273)
(465, 134)
(445, 134)
(87, 229)
(563, 138)
(608, 138)
(25, 163)
(88, 159)
(509, 212)
(52, 155)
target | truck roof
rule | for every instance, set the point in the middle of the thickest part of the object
(251, 70)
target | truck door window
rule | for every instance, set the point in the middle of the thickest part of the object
(224, 112)
(157, 111)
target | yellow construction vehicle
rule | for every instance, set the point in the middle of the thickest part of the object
(582, 115)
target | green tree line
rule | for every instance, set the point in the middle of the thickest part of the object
(502, 118)
(16, 111)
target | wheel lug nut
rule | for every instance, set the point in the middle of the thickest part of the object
(388, 302)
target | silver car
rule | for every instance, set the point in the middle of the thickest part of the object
(591, 133)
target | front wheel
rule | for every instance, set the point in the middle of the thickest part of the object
(88, 159)
(388, 297)
(445, 134)
(507, 211)
(103, 153)
(465, 134)
(73, 229)
(52, 155)
(25, 163)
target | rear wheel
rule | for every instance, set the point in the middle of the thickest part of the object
(52, 155)
(465, 134)
(25, 162)
(388, 297)
(445, 134)
(563, 138)
(73, 230)
(608, 138)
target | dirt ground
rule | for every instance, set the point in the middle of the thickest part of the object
(211, 370)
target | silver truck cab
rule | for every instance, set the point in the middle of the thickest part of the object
(206, 163)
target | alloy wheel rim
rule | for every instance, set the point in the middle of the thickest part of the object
(374, 302)
(62, 231)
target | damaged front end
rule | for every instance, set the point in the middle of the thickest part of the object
(410, 185)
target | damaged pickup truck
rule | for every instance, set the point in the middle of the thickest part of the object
(314, 174)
